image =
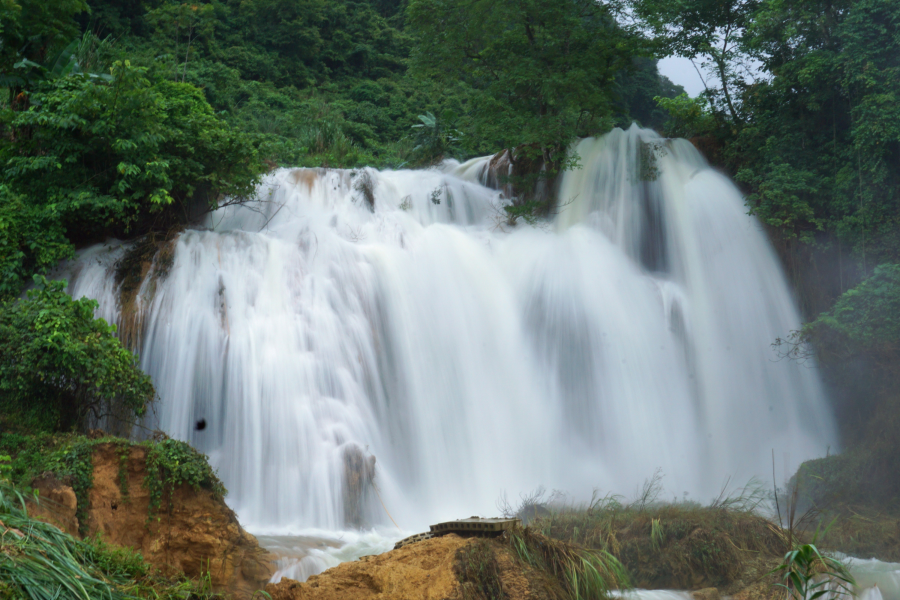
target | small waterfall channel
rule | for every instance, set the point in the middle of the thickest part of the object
(352, 328)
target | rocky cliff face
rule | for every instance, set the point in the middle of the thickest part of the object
(198, 535)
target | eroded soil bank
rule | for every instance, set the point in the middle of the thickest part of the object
(192, 532)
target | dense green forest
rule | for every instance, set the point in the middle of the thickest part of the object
(128, 117)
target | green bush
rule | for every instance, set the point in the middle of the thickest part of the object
(688, 117)
(33, 30)
(60, 367)
(110, 156)
(867, 316)
(435, 139)
(538, 73)
(856, 344)
(172, 463)
(32, 240)
(29, 453)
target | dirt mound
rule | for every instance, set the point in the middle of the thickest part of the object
(199, 534)
(442, 568)
(419, 571)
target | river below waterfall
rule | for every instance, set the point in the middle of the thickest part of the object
(369, 347)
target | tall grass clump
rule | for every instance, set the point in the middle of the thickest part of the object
(665, 544)
(583, 573)
(478, 572)
(40, 562)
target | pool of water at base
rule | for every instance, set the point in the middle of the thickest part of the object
(312, 551)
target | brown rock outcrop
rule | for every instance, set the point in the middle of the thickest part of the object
(518, 173)
(448, 567)
(199, 535)
(420, 571)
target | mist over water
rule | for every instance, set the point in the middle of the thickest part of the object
(466, 357)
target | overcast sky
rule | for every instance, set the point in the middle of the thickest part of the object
(681, 71)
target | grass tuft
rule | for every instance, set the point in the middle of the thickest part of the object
(40, 562)
(478, 571)
(674, 545)
(584, 573)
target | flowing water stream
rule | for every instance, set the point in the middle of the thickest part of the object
(352, 325)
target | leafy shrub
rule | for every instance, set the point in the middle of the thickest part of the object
(867, 316)
(688, 117)
(60, 367)
(782, 199)
(857, 343)
(32, 240)
(529, 210)
(435, 139)
(858, 338)
(112, 156)
(29, 454)
(32, 30)
(544, 80)
(171, 463)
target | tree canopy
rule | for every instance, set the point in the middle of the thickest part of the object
(538, 73)
(802, 109)
(107, 155)
(32, 30)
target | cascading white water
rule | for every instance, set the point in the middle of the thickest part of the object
(311, 330)
(875, 580)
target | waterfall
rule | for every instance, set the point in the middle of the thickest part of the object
(351, 328)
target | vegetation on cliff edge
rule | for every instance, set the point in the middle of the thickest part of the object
(69, 458)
